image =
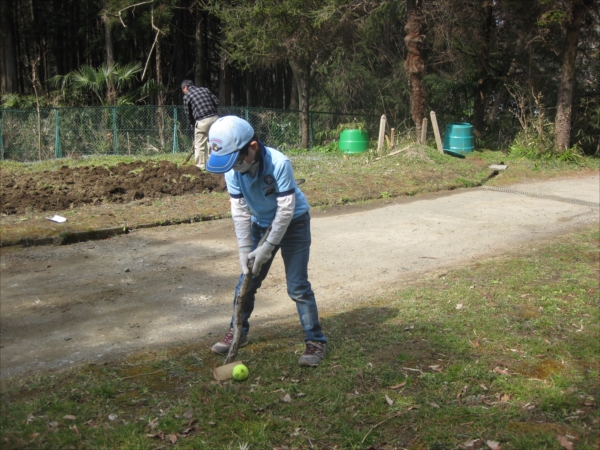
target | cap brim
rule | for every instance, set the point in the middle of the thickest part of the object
(221, 164)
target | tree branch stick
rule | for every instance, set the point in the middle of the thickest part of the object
(391, 154)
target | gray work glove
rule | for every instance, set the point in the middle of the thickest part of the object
(261, 255)
(244, 251)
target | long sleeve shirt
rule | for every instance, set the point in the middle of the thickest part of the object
(199, 103)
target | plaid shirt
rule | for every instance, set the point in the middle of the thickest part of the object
(199, 103)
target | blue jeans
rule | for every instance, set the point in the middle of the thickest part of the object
(295, 251)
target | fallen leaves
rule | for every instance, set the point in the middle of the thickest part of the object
(565, 443)
(474, 343)
(588, 401)
(389, 400)
(173, 438)
(477, 444)
(493, 445)
(500, 370)
(398, 386)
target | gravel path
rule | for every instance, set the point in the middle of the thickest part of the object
(96, 301)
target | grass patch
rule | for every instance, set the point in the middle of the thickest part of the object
(516, 363)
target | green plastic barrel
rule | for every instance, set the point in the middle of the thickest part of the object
(354, 141)
(458, 138)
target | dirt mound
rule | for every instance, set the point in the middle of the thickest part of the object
(70, 187)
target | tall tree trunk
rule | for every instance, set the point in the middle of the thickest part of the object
(415, 66)
(248, 88)
(224, 75)
(224, 81)
(294, 93)
(158, 60)
(7, 49)
(302, 75)
(482, 67)
(110, 59)
(200, 73)
(567, 76)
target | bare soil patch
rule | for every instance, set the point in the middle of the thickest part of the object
(70, 187)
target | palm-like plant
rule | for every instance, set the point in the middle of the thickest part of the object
(97, 82)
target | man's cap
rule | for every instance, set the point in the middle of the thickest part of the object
(186, 83)
(226, 137)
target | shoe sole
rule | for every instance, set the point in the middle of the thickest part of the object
(227, 351)
(307, 364)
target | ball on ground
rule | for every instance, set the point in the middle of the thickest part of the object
(240, 372)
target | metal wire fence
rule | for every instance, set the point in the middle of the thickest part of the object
(29, 135)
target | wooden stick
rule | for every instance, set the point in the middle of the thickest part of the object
(436, 131)
(380, 141)
(239, 305)
(391, 154)
(424, 132)
(393, 138)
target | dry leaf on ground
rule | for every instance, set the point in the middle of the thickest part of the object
(565, 443)
(474, 444)
(389, 400)
(494, 445)
(500, 370)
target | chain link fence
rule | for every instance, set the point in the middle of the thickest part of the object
(32, 135)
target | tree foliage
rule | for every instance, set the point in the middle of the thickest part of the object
(506, 66)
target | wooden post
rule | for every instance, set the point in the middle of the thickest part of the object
(436, 131)
(381, 140)
(393, 138)
(424, 132)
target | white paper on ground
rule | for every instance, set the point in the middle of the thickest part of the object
(56, 218)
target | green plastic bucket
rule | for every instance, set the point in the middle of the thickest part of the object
(458, 138)
(354, 141)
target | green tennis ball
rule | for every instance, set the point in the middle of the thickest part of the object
(240, 372)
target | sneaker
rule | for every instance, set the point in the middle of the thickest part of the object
(313, 355)
(223, 345)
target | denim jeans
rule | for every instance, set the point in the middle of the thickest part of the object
(295, 251)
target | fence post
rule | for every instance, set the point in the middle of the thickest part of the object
(436, 131)
(310, 130)
(57, 146)
(1, 139)
(114, 121)
(381, 139)
(175, 141)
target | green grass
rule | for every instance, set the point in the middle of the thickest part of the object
(517, 364)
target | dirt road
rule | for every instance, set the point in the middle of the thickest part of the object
(95, 301)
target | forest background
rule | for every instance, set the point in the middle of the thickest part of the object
(526, 74)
